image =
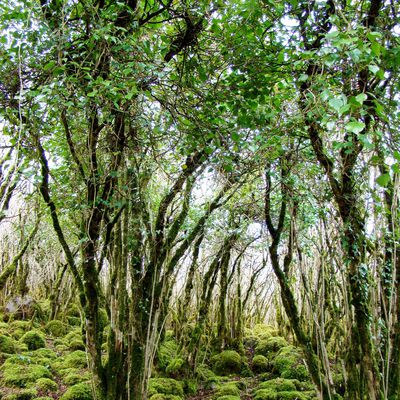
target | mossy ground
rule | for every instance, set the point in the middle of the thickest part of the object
(47, 360)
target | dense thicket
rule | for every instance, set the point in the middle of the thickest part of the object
(179, 172)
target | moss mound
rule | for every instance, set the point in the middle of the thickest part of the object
(176, 367)
(165, 386)
(166, 353)
(228, 397)
(46, 384)
(73, 378)
(76, 359)
(227, 362)
(23, 375)
(81, 391)
(280, 385)
(33, 340)
(7, 344)
(270, 346)
(56, 328)
(288, 363)
(229, 389)
(160, 396)
(260, 363)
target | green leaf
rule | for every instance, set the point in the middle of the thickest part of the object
(361, 98)
(336, 103)
(383, 180)
(355, 127)
(373, 68)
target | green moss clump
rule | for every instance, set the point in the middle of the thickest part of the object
(46, 385)
(165, 386)
(56, 328)
(289, 364)
(42, 356)
(7, 345)
(34, 340)
(228, 397)
(229, 389)
(73, 311)
(20, 375)
(260, 363)
(76, 359)
(190, 386)
(264, 331)
(74, 378)
(24, 326)
(270, 346)
(76, 344)
(227, 362)
(166, 353)
(176, 367)
(161, 396)
(81, 391)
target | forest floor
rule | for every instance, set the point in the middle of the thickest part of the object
(47, 361)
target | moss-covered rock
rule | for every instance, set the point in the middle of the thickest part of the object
(175, 368)
(260, 363)
(76, 344)
(166, 353)
(76, 359)
(7, 344)
(228, 389)
(73, 311)
(165, 386)
(268, 347)
(228, 397)
(73, 378)
(34, 340)
(56, 328)
(46, 385)
(161, 396)
(23, 375)
(289, 364)
(227, 362)
(81, 391)
(265, 331)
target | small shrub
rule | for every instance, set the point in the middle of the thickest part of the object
(227, 362)
(7, 344)
(34, 340)
(56, 328)
(165, 386)
(46, 385)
